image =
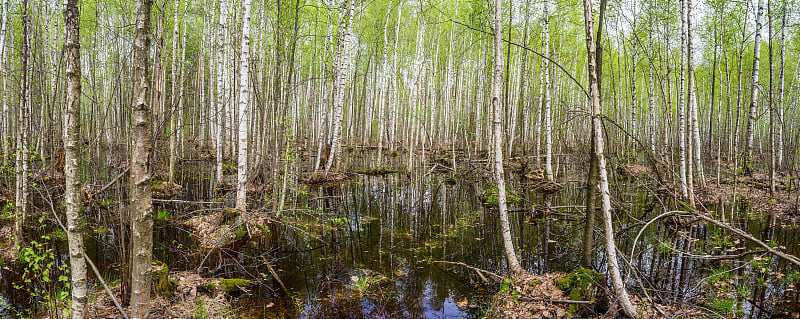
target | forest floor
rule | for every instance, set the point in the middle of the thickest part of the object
(579, 294)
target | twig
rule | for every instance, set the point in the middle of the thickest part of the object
(108, 290)
(468, 266)
(113, 181)
(274, 274)
(580, 302)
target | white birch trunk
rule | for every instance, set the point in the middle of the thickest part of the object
(497, 140)
(780, 106)
(682, 108)
(695, 125)
(221, 92)
(340, 81)
(548, 123)
(597, 129)
(244, 100)
(751, 118)
(141, 213)
(72, 195)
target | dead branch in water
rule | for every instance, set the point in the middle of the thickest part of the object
(479, 271)
(792, 259)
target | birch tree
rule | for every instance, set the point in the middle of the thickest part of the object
(780, 106)
(695, 125)
(6, 122)
(497, 139)
(141, 212)
(682, 151)
(72, 162)
(548, 122)
(244, 100)
(341, 67)
(221, 92)
(23, 113)
(751, 118)
(597, 129)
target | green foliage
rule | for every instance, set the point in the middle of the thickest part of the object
(8, 210)
(163, 215)
(489, 197)
(361, 284)
(42, 279)
(580, 285)
(725, 307)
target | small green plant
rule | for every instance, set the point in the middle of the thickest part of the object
(200, 311)
(163, 215)
(505, 286)
(42, 280)
(362, 284)
(725, 307)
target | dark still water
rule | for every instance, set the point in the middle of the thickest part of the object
(398, 246)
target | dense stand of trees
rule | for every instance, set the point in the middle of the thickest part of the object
(258, 86)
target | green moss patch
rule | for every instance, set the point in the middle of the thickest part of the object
(489, 197)
(583, 285)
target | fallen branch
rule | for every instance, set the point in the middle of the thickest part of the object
(86, 257)
(113, 181)
(580, 302)
(792, 259)
(478, 270)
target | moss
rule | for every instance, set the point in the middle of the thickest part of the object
(234, 284)
(489, 197)
(161, 282)
(240, 233)
(581, 285)
(156, 185)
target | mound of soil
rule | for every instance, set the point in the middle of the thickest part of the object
(580, 294)
(319, 177)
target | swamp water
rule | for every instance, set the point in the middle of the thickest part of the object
(384, 247)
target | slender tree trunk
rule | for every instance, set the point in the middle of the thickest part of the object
(695, 123)
(548, 121)
(771, 103)
(221, 92)
(497, 143)
(72, 160)
(6, 131)
(141, 203)
(597, 128)
(244, 100)
(780, 106)
(751, 118)
(173, 105)
(23, 111)
(682, 151)
(340, 82)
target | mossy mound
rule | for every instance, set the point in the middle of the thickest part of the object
(223, 187)
(489, 197)
(164, 190)
(584, 285)
(548, 295)
(377, 171)
(162, 285)
(228, 286)
(548, 187)
(319, 177)
(214, 230)
(633, 170)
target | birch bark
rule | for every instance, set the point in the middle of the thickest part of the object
(72, 161)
